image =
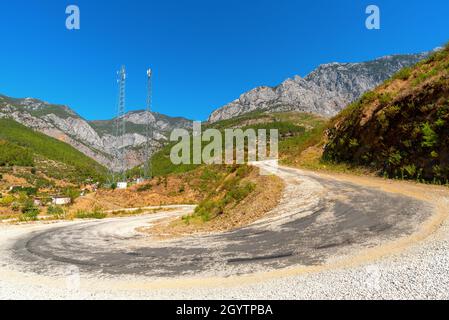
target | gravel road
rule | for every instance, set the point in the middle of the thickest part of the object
(328, 238)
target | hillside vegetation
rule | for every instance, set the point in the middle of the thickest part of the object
(297, 132)
(21, 146)
(230, 196)
(400, 129)
(13, 155)
(234, 195)
(34, 166)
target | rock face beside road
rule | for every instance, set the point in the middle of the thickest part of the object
(325, 91)
(96, 139)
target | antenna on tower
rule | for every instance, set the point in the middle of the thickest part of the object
(120, 129)
(147, 164)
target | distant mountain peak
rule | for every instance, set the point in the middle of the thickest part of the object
(96, 139)
(324, 91)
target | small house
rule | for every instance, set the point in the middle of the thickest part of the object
(122, 185)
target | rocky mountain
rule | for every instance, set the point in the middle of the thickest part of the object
(95, 139)
(325, 91)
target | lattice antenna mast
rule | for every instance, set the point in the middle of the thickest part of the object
(120, 124)
(149, 133)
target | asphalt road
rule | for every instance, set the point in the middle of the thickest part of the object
(317, 220)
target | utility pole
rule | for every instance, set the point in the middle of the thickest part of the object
(149, 133)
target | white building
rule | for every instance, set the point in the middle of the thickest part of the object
(140, 180)
(60, 201)
(122, 185)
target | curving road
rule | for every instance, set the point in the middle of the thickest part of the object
(317, 221)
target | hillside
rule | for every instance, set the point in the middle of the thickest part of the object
(400, 129)
(297, 132)
(232, 196)
(21, 146)
(325, 91)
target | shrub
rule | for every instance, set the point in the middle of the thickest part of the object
(440, 122)
(391, 111)
(403, 74)
(241, 192)
(410, 169)
(395, 158)
(368, 97)
(14, 155)
(29, 191)
(407, 143)
(56, 211)
(208, 208)
(430, 138)
(95, 214)
(424, 76)
(385, 98)
(145, 187)
(242, 171)
(15, 206)
(7, 200)
(29, 210)
(30, 215)
(72, 193)
(353, 143)
(383, 120)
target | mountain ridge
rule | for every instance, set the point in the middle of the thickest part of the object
(400, 128)
(324, 91)
(95, 139)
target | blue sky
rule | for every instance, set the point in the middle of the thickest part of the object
(204, 53)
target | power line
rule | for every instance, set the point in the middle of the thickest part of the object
(147, 164)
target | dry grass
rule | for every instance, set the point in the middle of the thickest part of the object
(173, 191)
